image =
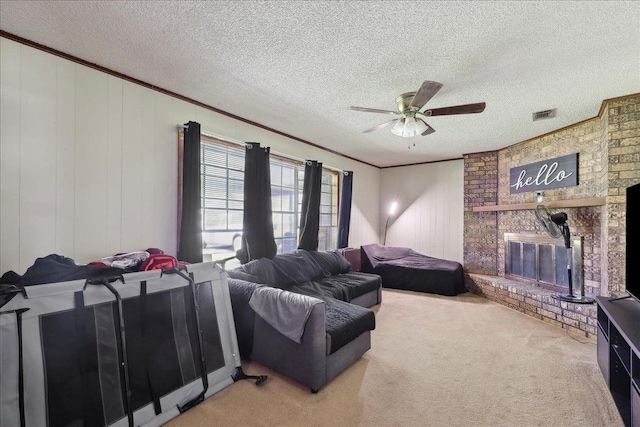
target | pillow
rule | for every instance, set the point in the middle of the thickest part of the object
(299, 266)
(263, 271)
(331, 262)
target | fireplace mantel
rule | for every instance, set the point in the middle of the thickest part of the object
(574, 203)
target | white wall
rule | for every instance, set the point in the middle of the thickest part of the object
(88, 162)
(430, 208)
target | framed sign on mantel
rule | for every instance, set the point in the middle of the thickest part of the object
(553, 173)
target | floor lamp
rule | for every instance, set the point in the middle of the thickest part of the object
(392, 210)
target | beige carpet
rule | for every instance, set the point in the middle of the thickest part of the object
(435, 361)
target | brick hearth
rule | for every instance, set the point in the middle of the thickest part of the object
(536, 302)
(609, 162)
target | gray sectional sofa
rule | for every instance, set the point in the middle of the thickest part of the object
(304, 314)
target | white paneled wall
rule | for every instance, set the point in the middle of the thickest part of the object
(9, 153)
(430, 208)
(88, 162)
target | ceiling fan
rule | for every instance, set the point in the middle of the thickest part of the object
(411, 120)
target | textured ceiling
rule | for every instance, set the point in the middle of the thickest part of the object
(297, 66)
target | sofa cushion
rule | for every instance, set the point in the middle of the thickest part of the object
(331, 262)
(344, 287)
(346, 322)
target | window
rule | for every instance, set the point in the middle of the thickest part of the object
(222, 172)
(222, 200)
(286, 199)
(328, 234)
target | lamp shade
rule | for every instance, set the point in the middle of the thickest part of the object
(398, 128)
(421, 126)
(410, 127)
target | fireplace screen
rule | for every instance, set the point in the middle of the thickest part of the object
(543, 260)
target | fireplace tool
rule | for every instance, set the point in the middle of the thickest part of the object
(556, 225)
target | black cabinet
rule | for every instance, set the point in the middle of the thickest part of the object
(618, 355)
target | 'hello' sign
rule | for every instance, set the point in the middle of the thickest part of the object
(553, 173)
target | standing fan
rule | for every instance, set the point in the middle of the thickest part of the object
(556, 225)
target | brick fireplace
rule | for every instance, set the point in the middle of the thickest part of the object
(609, 161)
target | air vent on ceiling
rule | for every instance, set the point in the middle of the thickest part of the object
(545, 114)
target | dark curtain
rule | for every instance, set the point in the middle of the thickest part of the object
(310, 211)
(257, 221)
(344, 218)
(190, 232)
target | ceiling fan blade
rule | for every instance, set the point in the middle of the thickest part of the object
(424, 94)
(458, 109)
(429, 131)
(372, 110)
(381, 126)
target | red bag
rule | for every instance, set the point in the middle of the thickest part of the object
(158, 262)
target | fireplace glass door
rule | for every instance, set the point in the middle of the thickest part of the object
(543, 260)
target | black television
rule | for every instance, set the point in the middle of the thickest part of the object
(632, 272)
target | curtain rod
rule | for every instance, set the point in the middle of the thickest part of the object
(214, 135)
(243, 143)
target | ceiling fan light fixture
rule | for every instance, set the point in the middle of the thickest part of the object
(408, 126)
(398, 128)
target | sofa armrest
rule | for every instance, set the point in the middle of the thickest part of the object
(353, 256)
(240, 292)
(304, 362)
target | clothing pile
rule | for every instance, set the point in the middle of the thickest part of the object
(58, 268)
(151, 259)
